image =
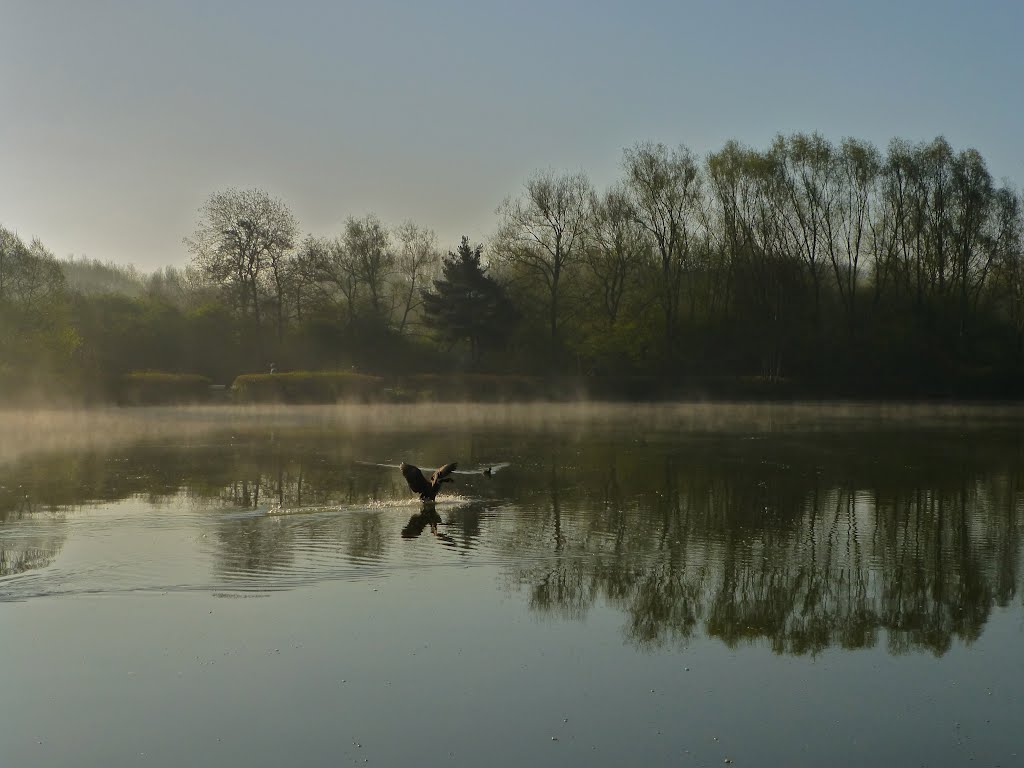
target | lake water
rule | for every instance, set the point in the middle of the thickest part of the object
(689, 585)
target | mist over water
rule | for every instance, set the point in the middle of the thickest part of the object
(663, 555)
(49, 429)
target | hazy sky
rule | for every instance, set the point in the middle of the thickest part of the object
(119, 119)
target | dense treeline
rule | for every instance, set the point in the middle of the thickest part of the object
(837, 269)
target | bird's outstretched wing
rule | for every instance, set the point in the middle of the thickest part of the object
(443, 472)
(417, 482)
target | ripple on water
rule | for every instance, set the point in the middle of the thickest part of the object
(186, 546)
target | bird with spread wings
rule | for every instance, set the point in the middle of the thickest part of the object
(427, 489)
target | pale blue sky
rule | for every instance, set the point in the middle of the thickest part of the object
(119, 119)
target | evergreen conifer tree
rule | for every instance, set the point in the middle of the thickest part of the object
(468, 305)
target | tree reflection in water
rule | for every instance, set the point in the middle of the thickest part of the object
(837, 545)
(28, 554)
(20, 506)
(800, 541)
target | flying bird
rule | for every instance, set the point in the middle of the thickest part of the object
(427, 489)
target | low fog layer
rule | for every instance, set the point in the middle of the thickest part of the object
(44, 430)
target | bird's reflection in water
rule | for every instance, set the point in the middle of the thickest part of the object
(426, 516)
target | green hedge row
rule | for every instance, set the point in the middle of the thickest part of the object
(307, 387)
(329, 387)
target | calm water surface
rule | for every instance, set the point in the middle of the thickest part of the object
(676, 585)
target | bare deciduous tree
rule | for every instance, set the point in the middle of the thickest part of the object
(542, 232)
(369, 251)
(243, 234)
(335, 274)
(416, 260)
(666, 189)
(804, 192)
(617, 247)
(859, 165)
(27, 273)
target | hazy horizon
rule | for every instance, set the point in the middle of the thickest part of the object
(124, 118)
